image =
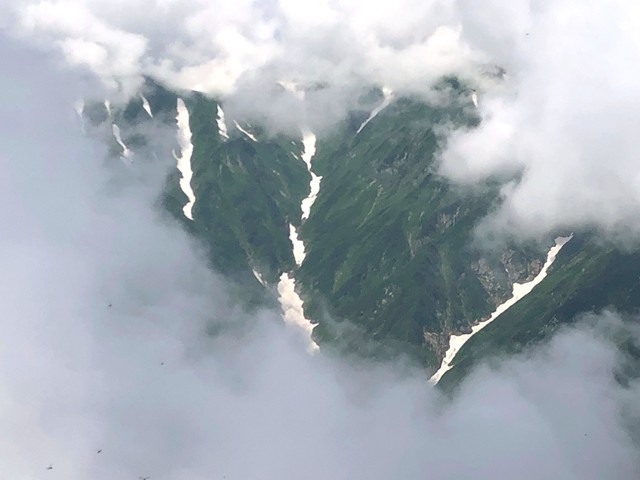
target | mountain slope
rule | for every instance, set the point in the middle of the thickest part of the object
(389, 242)
(588, 276)
(391, 264)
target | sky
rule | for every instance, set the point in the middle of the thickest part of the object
(140, 381)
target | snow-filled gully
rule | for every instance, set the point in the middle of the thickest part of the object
(222, 125)
(184, 160)
(388, 96)
(520, 290)
(292, 304)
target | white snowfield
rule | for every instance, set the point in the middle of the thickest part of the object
(248, 134)
(309, 143)
(520, 290)
(388, 96)
(115, 130)
(292, 309)
(298, 246)
(474, 98)
(146, 106)
(222, 126)
(184, 160)
(291, 303)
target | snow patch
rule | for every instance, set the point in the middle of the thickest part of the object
(520, 290)
(309, 143)
(298, 245)
(293, 312)
(222, 126)
(126, 153)
(251, 136)
(292, 304)
(474, 98)
(146, 106)
(258, 277)
(388, 96)
(184, 160)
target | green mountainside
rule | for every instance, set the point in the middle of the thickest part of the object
(391, 263)
(246, 192)
(587, 276)
(390, 243)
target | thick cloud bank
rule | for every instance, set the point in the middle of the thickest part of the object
(562, 121)
(565, 118)
(106, 371)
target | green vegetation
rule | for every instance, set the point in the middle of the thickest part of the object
(247, 194)
(391, 265)
(389, 241)
(587, 276)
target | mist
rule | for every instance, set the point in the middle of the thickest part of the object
(106, 307)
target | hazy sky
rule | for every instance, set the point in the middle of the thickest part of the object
(77, 375)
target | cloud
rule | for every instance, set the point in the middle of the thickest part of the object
(242, 48)
(561, 123)
(564, 119)
(141, 381)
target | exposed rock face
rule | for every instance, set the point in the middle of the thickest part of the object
(497, 277)
(438, 342)
(519, 268)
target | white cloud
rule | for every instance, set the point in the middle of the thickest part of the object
(565, 117)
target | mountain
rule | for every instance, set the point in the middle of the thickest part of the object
(390, 242)
(392, 264)
(588, 276)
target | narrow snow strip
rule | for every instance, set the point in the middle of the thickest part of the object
(520, 290)
(388, 96)
(146, 106)
(298, 245)
(222, 126)
(309, 143)
(292, 304)
(258, 277)
(184, 160)
(251, 136)
(474, 98)
(292, 309)
(107, 106)
(126, 153)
